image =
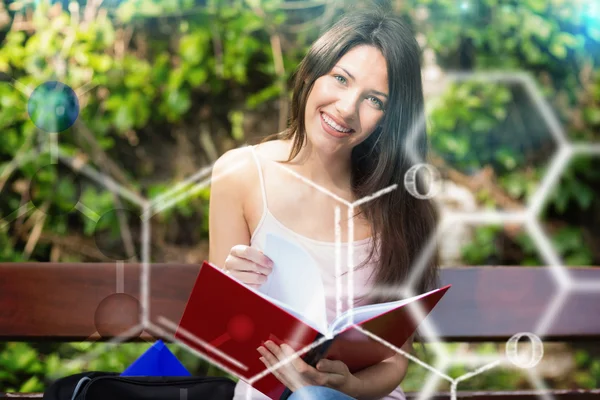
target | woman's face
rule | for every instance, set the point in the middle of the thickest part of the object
(346, 104)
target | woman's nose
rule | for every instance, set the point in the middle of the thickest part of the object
(346, 107)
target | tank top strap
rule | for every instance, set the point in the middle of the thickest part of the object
(260, 177)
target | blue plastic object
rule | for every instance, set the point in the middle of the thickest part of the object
(156, 361)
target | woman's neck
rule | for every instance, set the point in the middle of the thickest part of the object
(331, 171)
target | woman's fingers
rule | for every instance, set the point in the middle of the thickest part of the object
(252, 254)
(239, 264)
(270, 361)
(332, 367)
(299, 364)
(250, 278)
(296, 368)
(248, 265)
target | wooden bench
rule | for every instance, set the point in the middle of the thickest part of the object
(66, 302)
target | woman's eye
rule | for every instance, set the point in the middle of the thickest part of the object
(341, 77)
(378, 102)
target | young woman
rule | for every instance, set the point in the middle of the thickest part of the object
(356, 97)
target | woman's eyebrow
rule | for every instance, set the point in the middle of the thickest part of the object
(352, 77)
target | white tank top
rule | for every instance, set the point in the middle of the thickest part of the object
(324, 254)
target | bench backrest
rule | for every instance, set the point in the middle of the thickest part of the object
(69, 302)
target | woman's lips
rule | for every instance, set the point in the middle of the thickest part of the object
(333, 132)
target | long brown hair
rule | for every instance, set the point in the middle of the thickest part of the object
(401, 223)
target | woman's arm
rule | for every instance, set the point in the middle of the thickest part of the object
(381, 379)
(227, 225)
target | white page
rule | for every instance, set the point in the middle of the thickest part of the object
(295, 280)
(367, 312)
(293, 312)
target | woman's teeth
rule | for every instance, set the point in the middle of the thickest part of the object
(335, 126)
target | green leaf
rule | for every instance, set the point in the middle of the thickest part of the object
(193, 47)
(558, 50)
(177, 102)
(566, 39)
(176, 78)
(567, 239)
(592, 115)
(537, 5)
(197, 76)
(561, 200)
(584, 196)
(582, 258)
(483, 124)
(6, 376)
(581, 357)
(126, 11)
(594, 32)
(237, 119)
(33, 384)
(506, 157)
(124, 118)
(256, 99)
(25, 357)
(513, 184)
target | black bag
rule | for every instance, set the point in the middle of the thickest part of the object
(97, 385)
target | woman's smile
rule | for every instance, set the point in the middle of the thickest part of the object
(333, 128)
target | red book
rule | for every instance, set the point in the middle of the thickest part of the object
(226, 321)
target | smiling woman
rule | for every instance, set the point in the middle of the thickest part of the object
(357, 103)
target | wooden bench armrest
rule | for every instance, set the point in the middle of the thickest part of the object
(60, 302)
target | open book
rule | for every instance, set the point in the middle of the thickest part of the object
(226, 321)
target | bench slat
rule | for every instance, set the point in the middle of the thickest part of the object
(58, 301)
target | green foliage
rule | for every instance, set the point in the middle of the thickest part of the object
(482, 247)
(461, 124)
(585, 362)
(26, 367)
(575, 188)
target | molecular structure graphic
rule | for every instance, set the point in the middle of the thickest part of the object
(54, 107)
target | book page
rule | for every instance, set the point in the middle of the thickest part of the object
(295, 281)
(364, 313)
(290, 310)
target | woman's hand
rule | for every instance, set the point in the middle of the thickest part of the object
(248, 265)
(296, 373)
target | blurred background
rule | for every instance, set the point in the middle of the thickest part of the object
(151, 92)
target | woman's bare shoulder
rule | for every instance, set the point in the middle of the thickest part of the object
(232, 169)
(236, 168)
(274, 150)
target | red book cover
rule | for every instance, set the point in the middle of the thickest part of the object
(226, 321)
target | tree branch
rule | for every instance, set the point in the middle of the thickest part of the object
(279, 65)
(110, 168)
(40, 219)
(101, 158)
(125, 231)
(280, 71)
(218, 45)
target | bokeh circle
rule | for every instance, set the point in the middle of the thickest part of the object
(116, 315)
(53, 107)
